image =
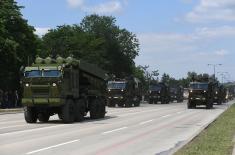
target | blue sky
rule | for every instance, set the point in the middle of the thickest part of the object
(176, 36)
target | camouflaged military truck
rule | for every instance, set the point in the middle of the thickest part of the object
(176, 94)
(159, 92)
(124, 92)
(67, 87)
(201, 93)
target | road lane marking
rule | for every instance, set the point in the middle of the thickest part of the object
(53, 146)
(166, 116)
(118, 129)
(145, 122)
(31, 130)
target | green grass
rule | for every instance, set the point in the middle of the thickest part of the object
(217, 139)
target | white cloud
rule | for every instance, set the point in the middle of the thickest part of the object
(40, 31)
(178, 53)
(213, 10)
(75, 3)
(99, 8)
(222, 52)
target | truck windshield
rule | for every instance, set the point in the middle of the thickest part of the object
(116, 85)
(203, 86)
(42, 73)
(51, 73)
(154, 88)
(33, 73)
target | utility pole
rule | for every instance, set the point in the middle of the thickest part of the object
(223, 76)
(214, 67)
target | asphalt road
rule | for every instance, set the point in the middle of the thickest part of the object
(148, 129)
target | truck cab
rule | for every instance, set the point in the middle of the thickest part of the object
(200, 93)
(123, 92)
(159, 93)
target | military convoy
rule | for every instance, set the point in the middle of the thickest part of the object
(124, 92)
(158, 92)
(71, 88)
(68, 87)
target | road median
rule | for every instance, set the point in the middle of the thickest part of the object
(216, 139)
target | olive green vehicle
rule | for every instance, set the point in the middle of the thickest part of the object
(201, 93)
(124, 92)
(159, 92)
(176, 94)
(67, 87)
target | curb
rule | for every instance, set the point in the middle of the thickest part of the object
(176, 148)
(233, 152)
(10, 111)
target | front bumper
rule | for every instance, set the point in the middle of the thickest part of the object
(42, 101)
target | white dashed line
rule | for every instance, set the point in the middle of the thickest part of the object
(145, 122)
(53, 146)
(107, 132)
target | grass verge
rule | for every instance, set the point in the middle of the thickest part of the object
(217, 139)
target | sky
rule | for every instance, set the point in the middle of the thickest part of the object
(176, 36)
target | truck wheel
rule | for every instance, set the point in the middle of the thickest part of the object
(102, 108)
(95, 109)
(111, 103)
(191, 105)
(150, 101)
(79, 110)
(209, 104)
(42, 117)
(30, 114)
(121, 104)
(68, 112)
(128, 103)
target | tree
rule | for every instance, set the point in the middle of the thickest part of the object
(120, 46)
(18, 43)
(97, 39)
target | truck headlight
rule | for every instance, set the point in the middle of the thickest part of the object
(53, 84)
(122, 90)
(27, 85)
(204, 91)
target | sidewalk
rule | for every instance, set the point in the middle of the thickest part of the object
(10, 111)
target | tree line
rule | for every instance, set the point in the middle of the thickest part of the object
(96, 39)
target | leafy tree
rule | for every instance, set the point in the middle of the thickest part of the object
(97, 40)
(120, 46)
(18, 43)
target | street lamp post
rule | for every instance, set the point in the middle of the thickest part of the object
(223, 76)
(214, 67)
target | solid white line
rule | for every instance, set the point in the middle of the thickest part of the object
(53, 146)
(145, 122)
(31, 130)
(107, 132)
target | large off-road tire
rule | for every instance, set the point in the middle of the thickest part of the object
(137, 102)
(128, 103)
(79, 109)
(111, 103)
(102, 109)
(191, 105)
(43, 117)
(121, 104)
(95, 109)
(30, 114)
(68, 115)
(151, 101)
(209, 104)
